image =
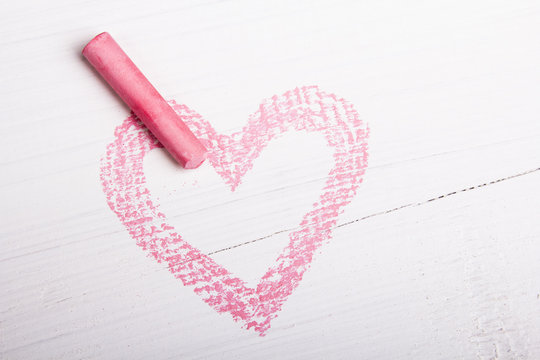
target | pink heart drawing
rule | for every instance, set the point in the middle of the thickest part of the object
(301, 109)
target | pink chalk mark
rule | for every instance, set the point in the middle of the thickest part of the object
(306, 108)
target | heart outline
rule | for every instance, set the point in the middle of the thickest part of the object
(303, 108)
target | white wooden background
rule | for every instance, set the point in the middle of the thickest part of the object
(450, 90)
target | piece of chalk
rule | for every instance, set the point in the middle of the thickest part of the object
(133, 87)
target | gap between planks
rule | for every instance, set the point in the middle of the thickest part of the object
(413, 204)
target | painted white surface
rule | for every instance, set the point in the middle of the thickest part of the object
(450, 92)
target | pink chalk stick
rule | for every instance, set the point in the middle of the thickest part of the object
(149, 106)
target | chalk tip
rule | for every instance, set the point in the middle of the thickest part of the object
(195, 162)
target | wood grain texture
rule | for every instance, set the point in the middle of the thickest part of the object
(435, 258)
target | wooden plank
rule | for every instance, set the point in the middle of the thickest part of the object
(459, 274)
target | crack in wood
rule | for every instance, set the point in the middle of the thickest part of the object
(414, 204)
(250, 241)
(439, 197)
